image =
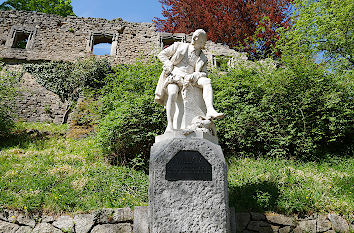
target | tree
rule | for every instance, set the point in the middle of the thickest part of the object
(251, 25)
(58, 7)
(322, 27)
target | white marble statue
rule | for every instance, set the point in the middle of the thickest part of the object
(183, 79)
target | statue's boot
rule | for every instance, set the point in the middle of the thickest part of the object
(212, 114)
(208, 99)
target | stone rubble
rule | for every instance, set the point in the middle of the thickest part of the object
(123, 220)
(273, 222)
(100, 221)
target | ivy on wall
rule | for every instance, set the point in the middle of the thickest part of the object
(8, 91)
(68, 79)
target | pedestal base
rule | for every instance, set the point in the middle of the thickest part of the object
(188, 187)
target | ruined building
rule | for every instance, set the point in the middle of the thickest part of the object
(33, 37)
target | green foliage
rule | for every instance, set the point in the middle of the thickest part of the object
(300, 110)
(8, 91)
(221, 62)
(291, 186)
(44, 171)
(56, 77)
(58, 7)
(131, 119)
(68, 79)
(325, 27)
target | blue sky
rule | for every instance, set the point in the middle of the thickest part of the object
(128, 10)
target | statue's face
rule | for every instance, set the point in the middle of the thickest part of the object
(200, 41)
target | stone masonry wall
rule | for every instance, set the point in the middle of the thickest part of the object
(69, 38)
(57, 38)
(36, 103)
(124, 220)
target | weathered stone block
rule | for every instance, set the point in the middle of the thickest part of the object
(242, 220)
(194, 198)
(141, 222)
(285, 229)
(339, 224)
(8, 227)
(84, 222)
(280, 219)
(46, 228)
(65, 223)
(323, 224)
(113, 228)
(260, 226)
(308, 226)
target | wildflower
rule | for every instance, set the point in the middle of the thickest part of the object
(13, 173)
(12, 216)
(307, 197)
(25, 207)
(123, 198)
(31, 190)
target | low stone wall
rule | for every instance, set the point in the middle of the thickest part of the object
(100, 221)
(124, 220)
(272, 222)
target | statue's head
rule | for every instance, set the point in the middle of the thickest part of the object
(199, 38)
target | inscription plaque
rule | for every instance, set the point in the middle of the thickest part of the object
(188, 165)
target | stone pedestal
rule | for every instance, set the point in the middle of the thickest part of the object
(188, 187)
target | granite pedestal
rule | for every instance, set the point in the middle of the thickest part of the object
(188, 187)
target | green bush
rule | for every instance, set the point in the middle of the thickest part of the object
(8, 92)
(68, 79)
(131, 118)
(299, 110)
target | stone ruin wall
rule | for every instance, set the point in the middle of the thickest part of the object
(56, 38)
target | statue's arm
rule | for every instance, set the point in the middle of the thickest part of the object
(165, 56)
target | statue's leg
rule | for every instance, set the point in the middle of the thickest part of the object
(205, 83)
(172, 91)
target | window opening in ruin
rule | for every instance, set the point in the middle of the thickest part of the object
(221, 62)
(102, 45)
(21, 40)
(167, 39)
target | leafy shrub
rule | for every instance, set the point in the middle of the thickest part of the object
(300, 110)
(131, 118)
(8, 91)
(56, 77)
(68, 79)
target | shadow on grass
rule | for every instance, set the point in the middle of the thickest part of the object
(254, 196)
(23, 140)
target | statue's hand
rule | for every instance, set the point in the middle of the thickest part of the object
(198, 75)
(168, 67)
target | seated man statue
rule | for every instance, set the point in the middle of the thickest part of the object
(184, 64)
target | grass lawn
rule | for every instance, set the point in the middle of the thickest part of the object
(42, 170)
(46, 171)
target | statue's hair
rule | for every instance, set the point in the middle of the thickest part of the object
(197, 33)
